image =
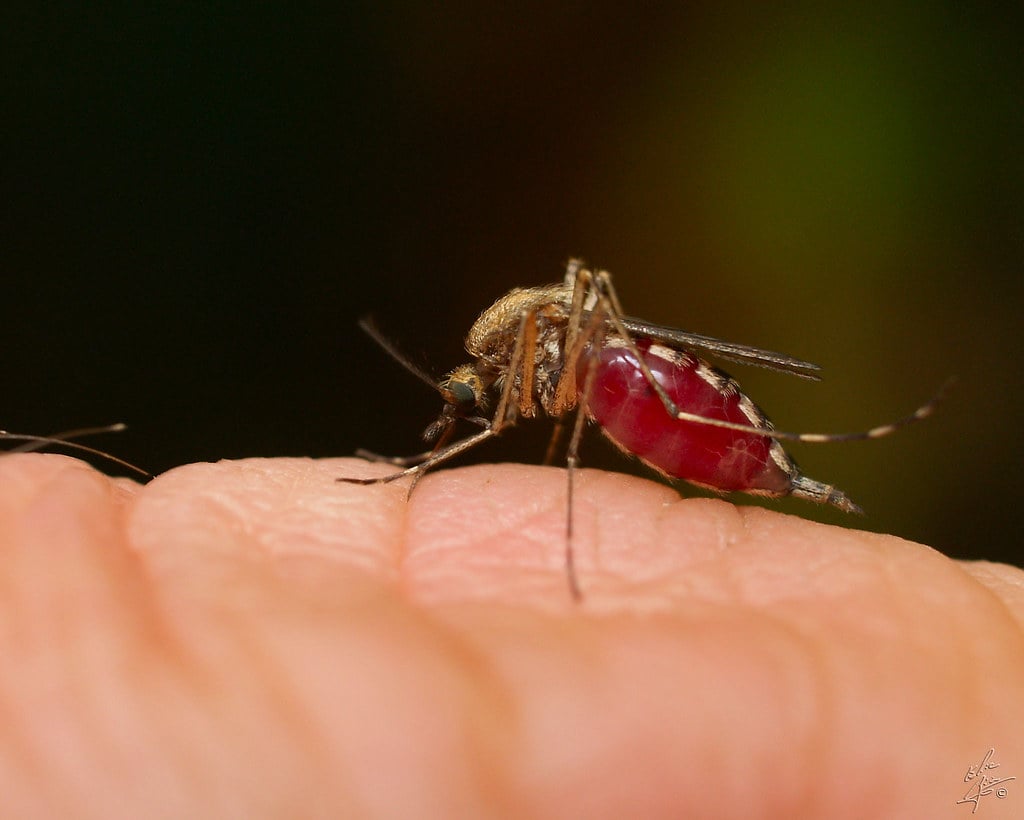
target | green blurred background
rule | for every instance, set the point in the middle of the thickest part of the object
(199, 200)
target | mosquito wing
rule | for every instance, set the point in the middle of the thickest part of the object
(724, 350)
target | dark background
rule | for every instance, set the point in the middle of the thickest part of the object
(198, 201)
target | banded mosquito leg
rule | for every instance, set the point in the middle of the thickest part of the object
(592, 334)
(435, 458)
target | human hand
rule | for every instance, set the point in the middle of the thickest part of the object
(254, 639)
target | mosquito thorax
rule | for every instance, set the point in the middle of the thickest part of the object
(495, 333)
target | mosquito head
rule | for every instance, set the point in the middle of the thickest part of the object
(462, 389)
(464, 393)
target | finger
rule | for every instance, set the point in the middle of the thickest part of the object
(757, 633)
(1002, 580)
(75, 627)
(855, 652)
(741, 626)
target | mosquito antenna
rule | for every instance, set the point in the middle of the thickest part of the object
(370, 328)
(62, 439)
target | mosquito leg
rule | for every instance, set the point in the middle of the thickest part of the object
(572, 462)
(882, 430)
(37, 442)
(394, 461)
(609, 299)
(555, 443)
(430, 462)
(527, 339)
(576, 336)
(504, 413)
(606, 294)
(593, 333)
(64, 435)
(581, 287)
(570, 555)
(61, 440)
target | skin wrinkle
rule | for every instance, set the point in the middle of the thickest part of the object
(162, 660)
(999, 589)
(606, 554)
(964, 682)
(278, 719)
(842, 673)
(209, 644)
(917, 643)
(830, 674)
(668, 582)
(79, 687)
(299, 517)
(975, 674)
(804, 568)
(521, 642)
(497, 720)
(25, 751)
(616, 633)
(209, 704)
(733, 532)
(822, 718)
(281, 693)
(449, 548)
(437, 492)
(231, 507)
(284, 532)
(809, 665)
(468, 726)
(401, 509)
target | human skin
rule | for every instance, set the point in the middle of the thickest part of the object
(253, 639)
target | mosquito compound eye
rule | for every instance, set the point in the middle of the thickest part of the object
(461, 394)
(462, 389)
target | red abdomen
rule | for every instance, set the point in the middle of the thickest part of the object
(632, 416)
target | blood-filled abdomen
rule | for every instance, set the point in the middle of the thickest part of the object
(632, 415)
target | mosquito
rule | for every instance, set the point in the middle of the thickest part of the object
(64, 439)
(569, 347)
